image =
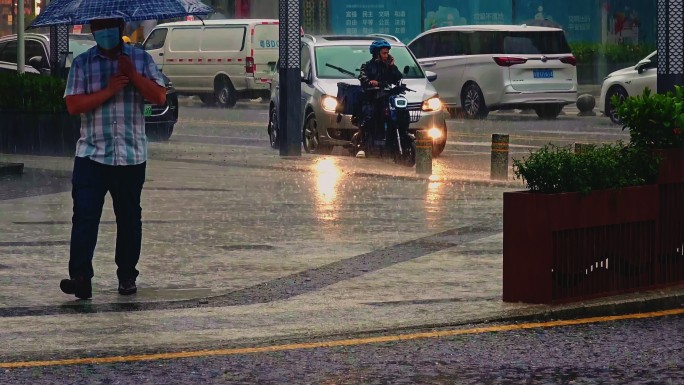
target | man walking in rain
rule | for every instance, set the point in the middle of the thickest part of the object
(108, 86)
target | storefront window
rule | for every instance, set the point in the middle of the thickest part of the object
(8, 14)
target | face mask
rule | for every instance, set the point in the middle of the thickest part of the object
(107, 38)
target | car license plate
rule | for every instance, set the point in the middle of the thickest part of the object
(542, 74)
(148, 109)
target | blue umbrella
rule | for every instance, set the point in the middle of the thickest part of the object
(71, 12)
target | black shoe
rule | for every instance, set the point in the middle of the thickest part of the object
(127, 287)
(80, 287)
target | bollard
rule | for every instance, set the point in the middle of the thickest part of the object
(423, 153)
(581, 148)
(499, 167)
(586, 103)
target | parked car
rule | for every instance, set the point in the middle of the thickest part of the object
(12, 67)
(482, 68)
(159, 120)
(218, 60)
(628, 81)
(322, 57)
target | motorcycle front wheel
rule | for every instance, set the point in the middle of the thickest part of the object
(408, 158)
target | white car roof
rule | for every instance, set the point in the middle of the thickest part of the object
(346, 40)
(220, 22)
(510, 28)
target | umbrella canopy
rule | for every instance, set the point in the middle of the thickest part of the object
(71, 12)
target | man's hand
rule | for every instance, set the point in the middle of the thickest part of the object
(374, 83)
(117, 83)
(126, 66)
(390, 60)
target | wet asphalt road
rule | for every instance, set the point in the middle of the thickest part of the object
(468, 149)
(469, 141)
(641, 351)
(645, 351)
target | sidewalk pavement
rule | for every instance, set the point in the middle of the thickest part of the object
(243, 247)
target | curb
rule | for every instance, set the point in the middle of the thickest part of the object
(11, 168)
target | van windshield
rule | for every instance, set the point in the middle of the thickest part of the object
(350, 59)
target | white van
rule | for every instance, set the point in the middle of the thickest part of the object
(218, 60)
(482, 68)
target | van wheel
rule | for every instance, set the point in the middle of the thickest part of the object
(548, 111)
(273, 136)
(310, 138)
(208, 99)
(225, 93)
(159, 132)
(473, 102)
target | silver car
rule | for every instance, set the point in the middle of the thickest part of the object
(328, 60)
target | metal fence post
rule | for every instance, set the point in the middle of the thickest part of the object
(59, 48)
(289, 111)
(670, 44)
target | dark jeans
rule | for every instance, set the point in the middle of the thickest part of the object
(370, 124)
(91, 181)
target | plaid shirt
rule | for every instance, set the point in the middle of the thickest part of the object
(114, 133)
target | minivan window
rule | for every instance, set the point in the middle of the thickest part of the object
(450, 43)
(223, 39)
(156, 39)
(184, 39)
(518, 43)
(423, 47)
(350, 58)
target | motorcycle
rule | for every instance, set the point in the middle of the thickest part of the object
(390, 134)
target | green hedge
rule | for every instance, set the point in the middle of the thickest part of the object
(31, 92)
(554, 169)
(587, 53)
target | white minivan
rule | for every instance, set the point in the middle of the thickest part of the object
(482, 68)
(218, 60)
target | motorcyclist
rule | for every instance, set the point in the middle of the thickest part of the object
(378, 71)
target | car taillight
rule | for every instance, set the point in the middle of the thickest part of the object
(506, 61)
(250, 67)
(569, 60)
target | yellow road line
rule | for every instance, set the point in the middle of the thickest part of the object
(336, 343)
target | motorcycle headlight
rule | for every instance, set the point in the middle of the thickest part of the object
(329, 103)
(432, 104)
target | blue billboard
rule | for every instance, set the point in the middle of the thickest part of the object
(442, 13)
(392, 17)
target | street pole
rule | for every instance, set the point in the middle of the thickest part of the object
(289, 109)
(670, 44)
(20, 37)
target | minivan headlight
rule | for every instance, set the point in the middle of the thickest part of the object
(432, 104)
(329, 103)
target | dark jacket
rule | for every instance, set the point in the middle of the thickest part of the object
(375, 69)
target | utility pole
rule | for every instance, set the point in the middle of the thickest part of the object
(289, 71)
(21, 47)
(670, 44)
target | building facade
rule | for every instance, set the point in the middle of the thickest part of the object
(597, 21)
